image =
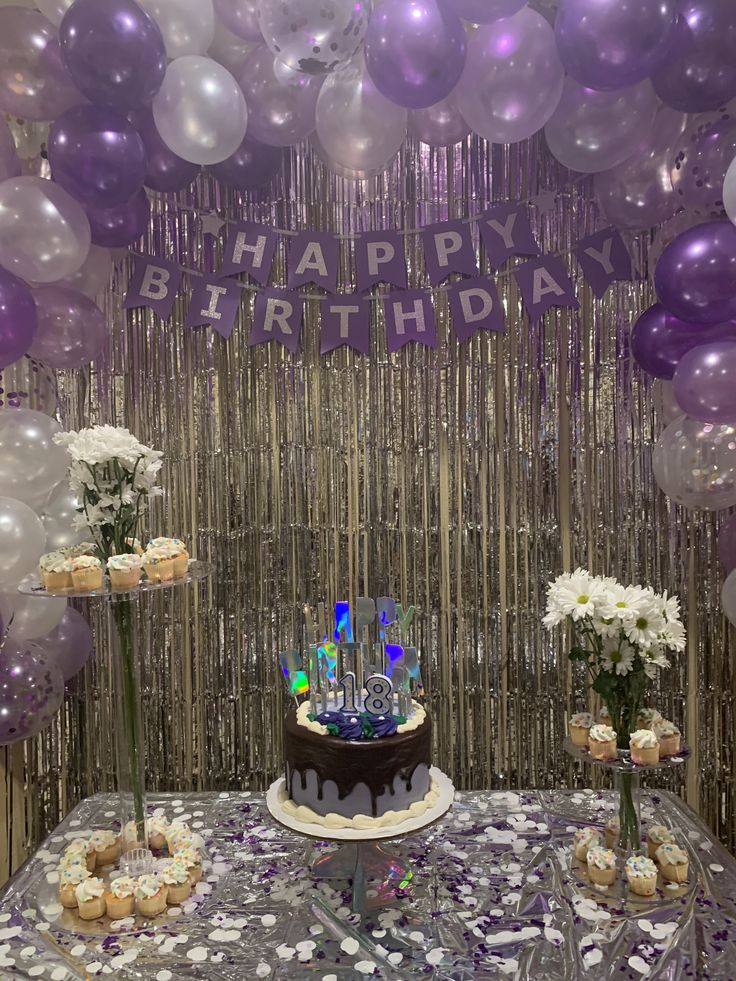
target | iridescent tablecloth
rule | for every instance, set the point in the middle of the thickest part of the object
(494, 892)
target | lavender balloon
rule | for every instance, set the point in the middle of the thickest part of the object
(96, 154)
(240, 17)
(121, 226)
(610, 44)
(71, 328)
(281, 102)
(228, 50)
(69, 645)
(58, 517)
(592, 131)
(18, 319)
(415, 51)
(484, 11)
(251, 166)
(704, 382)
(727, 544)
(699, 168)
(668, 232)
(33, 81)
(31, 690)
(164, 170)
(314, 36)
(663, 400)
(188, 26)
(439, 125)
(9, 161)
(700, 72)
(114, 52)
(94, 275)
(695, 277)
(659, 341)
(694, 464)
(513, 78)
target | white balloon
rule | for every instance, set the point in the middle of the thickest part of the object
(22, 541)
(94, 275)
(228, 50)
(32, 464)
(57, 518)
(188, 26)
(54, 9)
(729, 191)
(200, 111)
(30, 617)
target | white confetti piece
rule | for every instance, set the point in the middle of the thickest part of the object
(417, 937)
(164, 975)
(9, 932)
(52, 877)
(592, 957)
(305, 945)
(365, 967)
(553, 936)
(715, 867)
(351, 946)
(197, 953)
(36, 971)
(396, 957)
(268, 919)
(329, 977)
(41, 926)
(263, 970)
(79, 950)
(285, 952)
(435, 955)
(639, 965)
(4, 917)
(644, 925)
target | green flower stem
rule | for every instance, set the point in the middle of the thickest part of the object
(629, 837)
(125, 624)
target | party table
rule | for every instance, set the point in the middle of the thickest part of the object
(492, 891)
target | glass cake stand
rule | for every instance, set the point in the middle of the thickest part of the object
(122, 612)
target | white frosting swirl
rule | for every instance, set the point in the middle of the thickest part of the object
(188, 856)
(659, 833)
(147, 886)
(80, 846)
(54, 562)
(639, 866)
(124, 562)
(102, 840)
(671, 854)
(584, 720)
(80, 562)
(643, 739)
(152, 556)
(72, 875)
(602, 734)
(123, 887)
(602, 858)
(176, 873)
(587, 836)
(89, 889)
(666, 728)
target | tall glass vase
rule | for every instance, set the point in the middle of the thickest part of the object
(623, 719)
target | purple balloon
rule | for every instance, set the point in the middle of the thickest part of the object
(252, 165)
(695, 277)
(699, 168)
(281, 102)
(239, 16)
(164, 170)
(70, 644)
(18, 318)
(703, 382)
(700, 73)
(31, 690)
(9, 160)
(72, 330)
(118, 227)
(610, 44)
(659, 340)
(727, 544)
(33, 81)
(415, 51)
(97, 155)
(483, 11)
(114, 52)
(439, 125)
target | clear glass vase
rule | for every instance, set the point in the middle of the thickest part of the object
(623, 719)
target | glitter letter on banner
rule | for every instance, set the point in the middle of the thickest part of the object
(249, 248)
(474, 305)
(603, 257)
(544, 283)
(215, 303)
(409, 317)
(448, 248)
(345, 320)
(506, 231)
(314, 257)
(277, 316)
(380, 258)
(154, 284)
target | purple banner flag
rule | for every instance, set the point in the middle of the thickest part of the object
(604, 259)
(249, 248)
(314, 257)
(409, 317)
(277, 316)
(154, 284)
(214, 303)
(448, 248)
(380, 258)
(475, 306)
(544, 283)
(506, 231)
(345, 320)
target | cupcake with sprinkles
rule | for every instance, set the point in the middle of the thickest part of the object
(673, 862)
(657, 835)
(176, 876)
(178, 552)
(56, 571)
(150, 895)
(602, 865)
(642, 875)
(120, 897)
(79, 851)
(670, 737)
(90, 895)
(158, 827)
(158, 564)
(191, 859)
(106, 845)
(602, 742)
(125, 570)
(644, 747)
(583, 839)
(69, 879)
(579, 726)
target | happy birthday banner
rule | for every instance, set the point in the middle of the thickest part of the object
(314, 258)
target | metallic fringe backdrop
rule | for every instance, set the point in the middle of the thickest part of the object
(460, 479)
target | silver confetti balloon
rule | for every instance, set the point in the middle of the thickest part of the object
(314, 36)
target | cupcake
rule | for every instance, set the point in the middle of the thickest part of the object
(56, 571)
(613, 830)
(150, 895)
(120, 897)
(86, 572)
(90, 895)
(177, 551)
(670, 738)
(79, 851)
(602, 742)
(579, 727)
(124, 570)
(135, 545)
(175, 828)
(69, 878)
(157, 828)
(647, 718)
(601, 865)
(192, 860)
(185, 839)
(673, 862)
(107, 847)
(130, 836)
(583, 839)
(176, 877)
(644, 747)
(642, 875)
(158, 564)
(657, 835)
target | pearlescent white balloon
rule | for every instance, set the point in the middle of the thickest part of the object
(26, 384)
(94, 275)
(54, 9)
(188, 26)
(357, 127)
(57, 517)
(228, 50)
(728, 597)
(694, 463)
(314, 36)
(281, 102)
(200, 111)
(729, 191)
(30, 617)
(31, 464)
(21, 541)
(663, 399)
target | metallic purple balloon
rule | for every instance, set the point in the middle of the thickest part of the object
(700, 72)
(695, 277)
(72, 330)
(281, 102)
(31, 690)
(70, 644)
(484, 11)
(703, 382)
(700, 163)
(252, 165)
(415, 51)
(114, 52)
(610, 44)
(439, 125)
(121, 226)
(659, 340)
(727, 544)
(18, 318)
(97, 155)
(164, 170)
(239, 16)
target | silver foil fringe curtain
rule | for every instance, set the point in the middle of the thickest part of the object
(460, 480)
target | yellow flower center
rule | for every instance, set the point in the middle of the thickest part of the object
(642, 623)
(583, 598)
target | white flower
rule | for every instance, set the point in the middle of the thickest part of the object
(673, 635)
(670, 606)
(623, 602)
(576, 594)
(647, 625)
(607, 627)
(654, 658)
(618, 656)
